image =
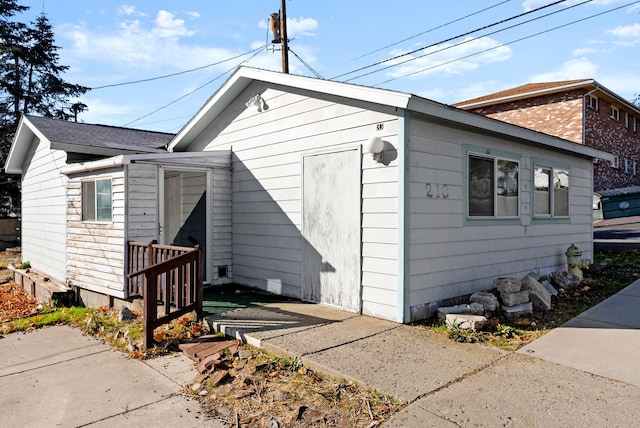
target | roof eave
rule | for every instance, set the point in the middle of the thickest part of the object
(498, 127)
(521, 95)
(244, 76)
(20, 145)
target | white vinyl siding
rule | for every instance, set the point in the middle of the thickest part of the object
(142, 199)
(452, 257)
(89, 242)
(267, 189)
(44, 211)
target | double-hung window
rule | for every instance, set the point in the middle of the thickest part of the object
(551, 191)
(492, 186)
(97, 200)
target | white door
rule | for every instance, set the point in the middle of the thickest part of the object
(331, 229)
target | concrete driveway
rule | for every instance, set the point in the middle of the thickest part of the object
(57, 377)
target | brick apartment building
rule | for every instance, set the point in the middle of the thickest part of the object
(582, 111)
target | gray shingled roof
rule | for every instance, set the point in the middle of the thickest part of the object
(101, 136)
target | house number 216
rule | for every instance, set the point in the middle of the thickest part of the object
(437, 190)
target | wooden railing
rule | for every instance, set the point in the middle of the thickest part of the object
(165, 275)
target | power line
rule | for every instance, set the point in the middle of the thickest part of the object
(431, 29)
(466, 41)
(306, 65)
(449, 39)
(256, 52)
(509, 43)
(150, 79)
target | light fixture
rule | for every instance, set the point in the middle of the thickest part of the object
(375, 146)
(257, 101)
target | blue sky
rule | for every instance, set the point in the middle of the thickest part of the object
(114, 42)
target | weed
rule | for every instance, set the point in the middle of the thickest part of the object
(24, 265)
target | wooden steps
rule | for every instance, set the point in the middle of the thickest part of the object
(41, 287)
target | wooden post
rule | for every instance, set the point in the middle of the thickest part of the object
(199, 282)
(150, 306)
(283, 37)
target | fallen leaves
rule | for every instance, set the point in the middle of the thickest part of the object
(15, 303)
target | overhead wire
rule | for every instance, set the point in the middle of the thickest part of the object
(508, 43)
(191, 70)
(450, 39)
(431, 29)
(306, 65)
(467, 41)
(255, 52)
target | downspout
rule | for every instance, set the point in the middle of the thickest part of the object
(404, 223)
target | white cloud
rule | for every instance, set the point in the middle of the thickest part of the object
(141, 43)
(125, 10)
(300, 27)
(580, 68)
(583, 51)
(626, 31)
(168, 26)
(451, 59)
(193, 14)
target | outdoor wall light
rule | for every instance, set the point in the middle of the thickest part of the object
(256, 101)
(375, 146)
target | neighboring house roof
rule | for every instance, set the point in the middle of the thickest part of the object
(72, 137)
(531, 90)
(244, 76)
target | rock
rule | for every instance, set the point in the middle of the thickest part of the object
(564, 279)
(508, 285)
(470, 309)
(203, 393)
(196, 386)
(488, 300)
(125, 314)
(514, 299)
(466, 322)
(546, 284)
(539, 296)
(515, 312)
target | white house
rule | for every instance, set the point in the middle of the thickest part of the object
(304, 209)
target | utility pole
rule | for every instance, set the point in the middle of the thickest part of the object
(283, 36)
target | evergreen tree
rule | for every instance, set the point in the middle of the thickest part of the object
(30, 79)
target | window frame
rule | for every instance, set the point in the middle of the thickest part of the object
(615, 113)
(552, 167)
(494, 156)
(91, 214)
(592, 102)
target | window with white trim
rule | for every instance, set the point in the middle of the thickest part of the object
(592, 102)
(615, 113)
(626, 166)
(634, 167)
(551, 191)
(635, 124)
(492, 187)
(626, 120)
(97, 200)
(616, 161)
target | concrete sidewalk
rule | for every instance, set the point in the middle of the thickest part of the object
(583, 374)
(57, 377)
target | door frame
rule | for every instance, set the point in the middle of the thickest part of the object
(325, 151)
(162, 169)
